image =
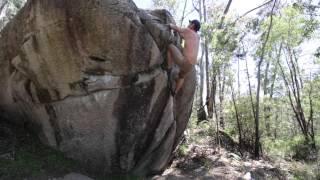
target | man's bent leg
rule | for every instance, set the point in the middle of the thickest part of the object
(179, 84)
(184, 70)
(176, 55)
(178, 58)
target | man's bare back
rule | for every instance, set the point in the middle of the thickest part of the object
(191, 43)
(188, 57)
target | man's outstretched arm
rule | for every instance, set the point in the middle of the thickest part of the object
(176, 28)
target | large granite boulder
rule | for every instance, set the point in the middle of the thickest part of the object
(87, 77)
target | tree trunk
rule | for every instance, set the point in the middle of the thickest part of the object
(183, 12)
(225, 12)
(257, 134)
(206, 52)
(222, 82)
(310, 120)
(256, 118)
(250, 89)
(293, 90)
(201, 112)
(214, 103)
(266, 107)
(213, 95)
(2, 5)
(237, 118)
(275, 135)
(201, 61)
(238, 76)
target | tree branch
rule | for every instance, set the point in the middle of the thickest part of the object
(183, 12)
(251, 11)
(225, 12)
(257, 141)
(195, 6)
(2, 6)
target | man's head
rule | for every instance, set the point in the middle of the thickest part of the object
(195, 25)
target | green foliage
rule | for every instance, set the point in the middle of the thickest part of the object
(170, 5)
(277, 147)
(33, 159)
(287, 27)
(246, 121)
(291, 27)
(197, 133)
(285, 148)
(183, 150)
(288, 148)
(222, 42)
(225, 41)
(305, 171)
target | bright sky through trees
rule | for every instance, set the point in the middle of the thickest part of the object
(237, 6)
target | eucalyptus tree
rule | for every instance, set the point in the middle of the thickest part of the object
(201, 113)
(171, 5)
(290, 29)
(179, 9)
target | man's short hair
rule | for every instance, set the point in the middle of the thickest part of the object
(196, 24)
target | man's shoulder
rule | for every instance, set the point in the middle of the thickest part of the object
(191, 32)
(195, 34)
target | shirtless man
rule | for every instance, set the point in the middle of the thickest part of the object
(188, 58)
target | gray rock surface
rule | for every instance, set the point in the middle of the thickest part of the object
(86, 76)
(75, 176)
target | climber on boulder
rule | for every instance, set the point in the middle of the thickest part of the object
(188, 58)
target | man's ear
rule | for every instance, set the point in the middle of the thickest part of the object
(193, 27)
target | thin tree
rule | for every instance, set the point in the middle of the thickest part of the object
(222, 82)
(293, 86)
(206, 54)
(248, 12)
(2, 5)
(225, 12)
(250, 90)
(197, 5)
(257, 134)
(183, 16)
(237, 118)
(269, 91)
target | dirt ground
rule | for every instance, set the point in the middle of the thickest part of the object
(22, 156)
(203, 162)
